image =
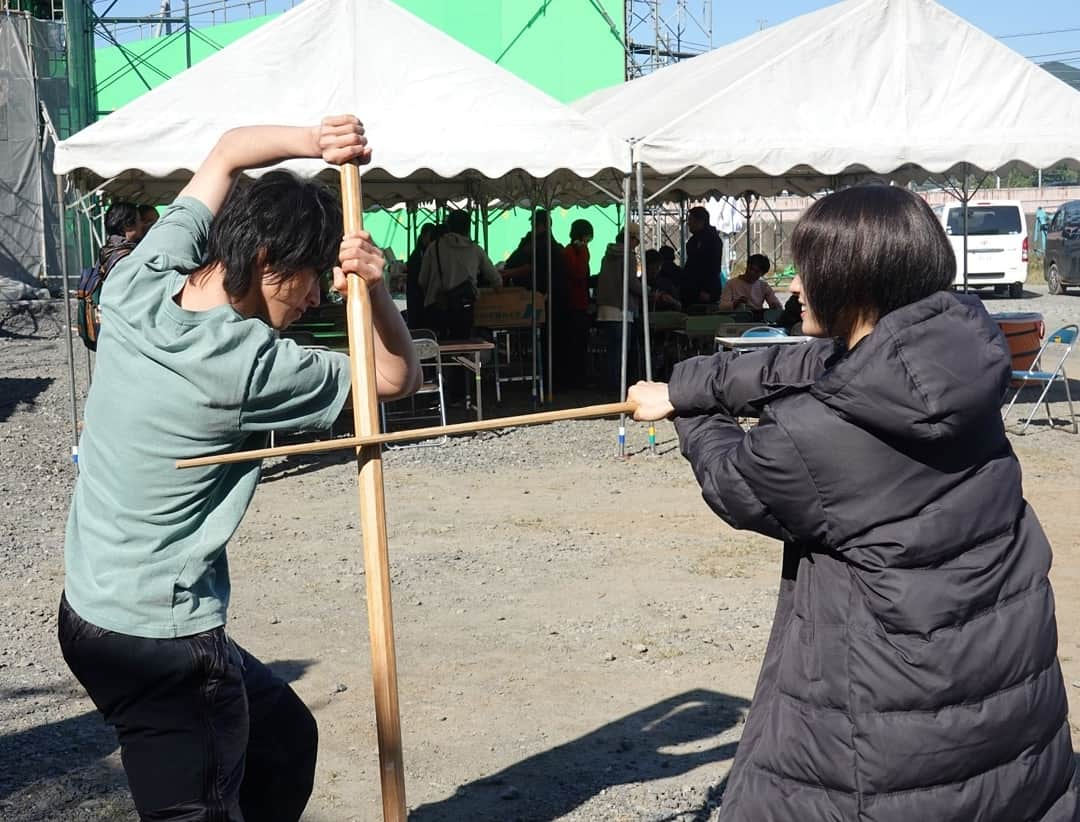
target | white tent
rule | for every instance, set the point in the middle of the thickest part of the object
(438, 114)
(898, 88)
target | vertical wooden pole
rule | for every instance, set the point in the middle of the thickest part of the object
(373, 518)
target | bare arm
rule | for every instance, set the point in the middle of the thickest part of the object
(337, 140)
(770, 297)
(488, 273)
(727, 297)
(397, 370)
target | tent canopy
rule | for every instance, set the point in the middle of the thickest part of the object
(898, 88)
(441, 118)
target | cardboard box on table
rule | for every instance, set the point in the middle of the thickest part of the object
(507, 308)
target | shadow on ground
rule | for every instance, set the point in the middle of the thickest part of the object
(17, 390)
(665, 740)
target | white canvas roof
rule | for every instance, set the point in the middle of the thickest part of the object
(903, 88)
(435, 111)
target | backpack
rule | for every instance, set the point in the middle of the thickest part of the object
(88, 294)
(88, 297)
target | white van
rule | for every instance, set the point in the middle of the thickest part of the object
(997, 244)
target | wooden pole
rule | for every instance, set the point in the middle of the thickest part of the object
(373, 517)
(326, 446)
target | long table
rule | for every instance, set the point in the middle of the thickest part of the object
(752, 343)
(466, 354)
(462, 353)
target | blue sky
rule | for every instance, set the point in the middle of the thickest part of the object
(1041, 20)
(732, 20)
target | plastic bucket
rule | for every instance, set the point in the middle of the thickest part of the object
(1024, 333)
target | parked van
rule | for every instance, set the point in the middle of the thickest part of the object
(997, 244)
(1062, 263)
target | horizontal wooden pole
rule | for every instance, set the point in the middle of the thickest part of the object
(326, 446)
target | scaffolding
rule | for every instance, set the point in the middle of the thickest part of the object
(661, 32)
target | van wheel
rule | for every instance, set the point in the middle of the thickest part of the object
(1016, 290)
(1053, 280)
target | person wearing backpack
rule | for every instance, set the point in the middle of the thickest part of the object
(452, 268)
(123, 228)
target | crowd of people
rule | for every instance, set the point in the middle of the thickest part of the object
(447, 268)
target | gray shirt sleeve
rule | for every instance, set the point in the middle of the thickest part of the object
(293, 387)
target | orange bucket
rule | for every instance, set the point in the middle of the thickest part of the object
(1024, 333)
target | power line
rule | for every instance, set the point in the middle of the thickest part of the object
(1052, 54)
(1036, 33)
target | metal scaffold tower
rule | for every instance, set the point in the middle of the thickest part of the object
(661, 32)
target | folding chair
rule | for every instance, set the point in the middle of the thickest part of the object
(427, 352)
(1066, 337)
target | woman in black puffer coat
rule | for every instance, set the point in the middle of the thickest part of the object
(912, 671)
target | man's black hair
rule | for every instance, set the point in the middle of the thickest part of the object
(580, 229)
(700, 212)
(120, 216)
(866, 251)
(653, 257)
(758, 262)
(458, 222)
(279, 220)
(668, 253)
(144, 210)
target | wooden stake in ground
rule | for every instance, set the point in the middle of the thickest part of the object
(373, 518)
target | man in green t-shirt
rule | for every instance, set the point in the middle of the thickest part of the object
(189, 362)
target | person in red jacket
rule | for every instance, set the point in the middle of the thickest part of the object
(576, 327)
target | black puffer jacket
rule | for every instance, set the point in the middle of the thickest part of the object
(912, 672)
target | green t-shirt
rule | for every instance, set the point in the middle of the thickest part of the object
(145, 545)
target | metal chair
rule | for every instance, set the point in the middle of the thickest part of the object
(426, 345)
(764, 331)
(1065, 337)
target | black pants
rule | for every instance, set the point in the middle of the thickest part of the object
(207, 732)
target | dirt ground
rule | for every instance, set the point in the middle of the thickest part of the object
(578, 636)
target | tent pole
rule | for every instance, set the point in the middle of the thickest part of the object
(79, 240)
(682, 228)
(535, 335)
(550, 316)
(484, 223)
(964, 206)
(67, 316)
(625, 300)
(748, 238)
(645, 295)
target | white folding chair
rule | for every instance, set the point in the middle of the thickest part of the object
(1037, 374)
(426, 345)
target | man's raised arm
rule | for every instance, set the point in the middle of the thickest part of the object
(255, 146)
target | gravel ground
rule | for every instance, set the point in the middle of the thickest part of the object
(578, 636)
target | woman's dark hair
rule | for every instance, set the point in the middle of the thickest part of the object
(147, 210)
(869, 250)
(120, 216)
(279, 220)
(580, 229)
(426, 230)
(668, 253)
